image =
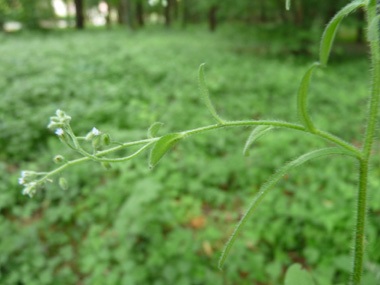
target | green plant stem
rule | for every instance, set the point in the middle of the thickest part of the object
(279, 124)
(366, 152)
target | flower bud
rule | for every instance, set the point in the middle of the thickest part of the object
(96, 142)
(106, 140)
(63, 183)
(106, 165)
(59, 159)
(60, 113)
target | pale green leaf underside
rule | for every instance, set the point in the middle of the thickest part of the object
(257, 133)
(153, 129)
(302, 98)
(373, 29)
(270, 184)
(206, 95)
(162, 146)
(332, 27)
(287, 5)
(295, 275)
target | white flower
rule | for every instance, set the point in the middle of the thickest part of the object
(21, 180)
(30, 189)
(95, 131)
(25, 173)
(59, 132)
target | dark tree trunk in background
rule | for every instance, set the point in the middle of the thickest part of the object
(129, 14)
(263, 15)
(176, 9)
(140, 13)
(212, 17)
(281, 10)
(121, 13)
(167, 13)
(185, 15)
(108, 16)
(298, 13)
(360, 29)
(79, 14)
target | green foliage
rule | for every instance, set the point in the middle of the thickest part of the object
(272, 181)
(162, 146)
(153, 129)
(206, 95)
(302, 98)
(167, 226)
(295, 275)
(332, 27)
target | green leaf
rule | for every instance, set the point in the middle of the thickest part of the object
(331, 29)
(257, 133)
(206, 95)
(153, 129)
(302, 98)
(295, 275)
(162, 146)
(373, 29)
(270, 184)
(287, 5)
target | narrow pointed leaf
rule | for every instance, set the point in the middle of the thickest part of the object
(270, 184)
(206, 95)
(162, 146)
(295, 275)
(373, 29)
(302, 98)
(257, 133)
(287, 5)
(331, 29)
(153, 129)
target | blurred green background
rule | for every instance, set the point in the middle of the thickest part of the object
(136, 63)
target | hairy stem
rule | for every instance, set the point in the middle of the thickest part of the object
(366, 152)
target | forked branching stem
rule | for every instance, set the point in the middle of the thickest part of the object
(99, 156)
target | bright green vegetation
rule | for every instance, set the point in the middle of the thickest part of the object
(132, 225)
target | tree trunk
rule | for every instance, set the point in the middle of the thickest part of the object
(167, 13)
(281, 10)
(79, 14)
(121, 13)
(129, 14)
(212, 17)
(140, 13)
(108, 16)
(184, 13)
(299, 14)
(176, 10)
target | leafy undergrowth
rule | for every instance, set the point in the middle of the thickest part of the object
(132, 225)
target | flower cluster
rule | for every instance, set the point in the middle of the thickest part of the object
(29, 180)
(59, 122)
